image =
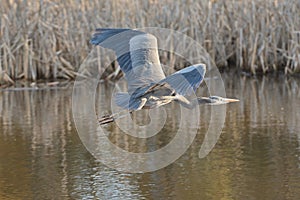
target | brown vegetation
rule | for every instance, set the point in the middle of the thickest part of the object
(49, 39)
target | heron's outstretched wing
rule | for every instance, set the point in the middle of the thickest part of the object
(136, 52)
(187, 80)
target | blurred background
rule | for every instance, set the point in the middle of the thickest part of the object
(256, 46)
(50, 39)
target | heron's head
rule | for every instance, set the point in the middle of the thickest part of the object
(221, 100)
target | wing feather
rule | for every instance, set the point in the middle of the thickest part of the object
(187, 80)
(136, 52)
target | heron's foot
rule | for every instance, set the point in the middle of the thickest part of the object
(106, 119)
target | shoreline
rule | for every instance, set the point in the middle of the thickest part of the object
(44, 84)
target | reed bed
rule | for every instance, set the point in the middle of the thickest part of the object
(50, 39)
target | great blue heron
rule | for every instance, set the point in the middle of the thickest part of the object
(148, 87)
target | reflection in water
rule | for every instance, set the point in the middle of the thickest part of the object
(256, 157)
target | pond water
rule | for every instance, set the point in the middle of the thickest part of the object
(256, 157)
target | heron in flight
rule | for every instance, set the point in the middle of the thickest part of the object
(148, 87)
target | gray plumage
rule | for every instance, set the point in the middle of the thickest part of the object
(148, 87)
(137, 55)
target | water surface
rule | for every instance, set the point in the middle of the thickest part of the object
(256, 157)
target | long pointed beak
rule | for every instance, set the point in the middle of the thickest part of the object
(228, 100)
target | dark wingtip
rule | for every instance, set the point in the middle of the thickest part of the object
(96, 39)
(101, 34)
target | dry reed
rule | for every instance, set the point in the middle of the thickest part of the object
(49, 39)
